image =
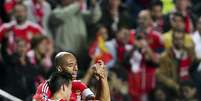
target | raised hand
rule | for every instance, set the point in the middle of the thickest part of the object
(99, 70)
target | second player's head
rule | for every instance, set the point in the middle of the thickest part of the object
(66, 62)
(60, 85)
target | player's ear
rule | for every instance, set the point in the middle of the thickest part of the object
(59, 68)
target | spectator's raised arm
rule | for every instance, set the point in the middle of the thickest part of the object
(69, 10)
(94, 14)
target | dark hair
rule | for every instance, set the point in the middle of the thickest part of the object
(57, 79)
(177, 14)
(35, 41)
(156, 3)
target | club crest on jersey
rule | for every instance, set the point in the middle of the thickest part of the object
(45, 97)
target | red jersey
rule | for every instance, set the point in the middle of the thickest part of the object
(79, 91)
(25, 31)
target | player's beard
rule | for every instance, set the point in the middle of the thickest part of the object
(20, 19)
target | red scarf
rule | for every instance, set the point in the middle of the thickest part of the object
(187, 24)
(120, 51)
(184, 66)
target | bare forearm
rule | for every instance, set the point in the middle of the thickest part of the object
(105, 91)
(87, 77)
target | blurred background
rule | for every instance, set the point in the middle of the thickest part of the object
(152, 48)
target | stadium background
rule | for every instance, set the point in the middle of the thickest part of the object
(103, 29)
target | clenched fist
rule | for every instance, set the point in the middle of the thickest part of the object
(99, 70)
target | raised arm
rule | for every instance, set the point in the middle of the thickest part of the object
(100, 72)
(66, 11)
(102, 75)
(94, 14)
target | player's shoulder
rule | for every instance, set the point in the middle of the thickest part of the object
(42, 87)
(78, 84)
(39, 91)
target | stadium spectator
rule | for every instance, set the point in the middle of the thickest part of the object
(114, 16)
(175, 63)
(197, 38)
(38, 11)
(41, 55)
(20, 27)
(118, 45)
(177, 22)
(182, 7)
(143, 58)
(20, 72)
(71, 32)
(19, 54)
(129, 47)
(117, 68)
(157, 16)
(98, 49)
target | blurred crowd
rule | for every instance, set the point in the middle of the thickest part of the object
(152, 48)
